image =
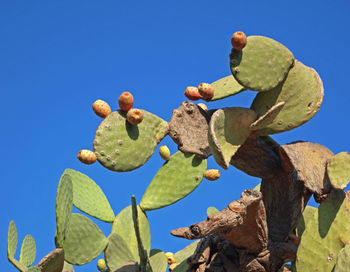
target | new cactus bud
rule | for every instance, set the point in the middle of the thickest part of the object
(212, 174)
(134, 116)
(171, 258)
(202, 106)
(126, 101)
(239, 40)
(192, 93)
(172, 266)
(101, 108)
(206, 91)
(164, 152)
(101, 265)
(86, 156)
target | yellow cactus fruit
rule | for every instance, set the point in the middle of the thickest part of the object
(239, 40)
(206, 91)
(101, 108)
(86, 156)
(101, 265)
(164, 152)
(126, 101)
(202, 106)
(212, 174)
(134, 116)
(172, 266)
(171, 258)
(192, 93)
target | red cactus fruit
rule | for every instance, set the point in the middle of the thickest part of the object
(239, 40)
(126, 101)
(192, 93)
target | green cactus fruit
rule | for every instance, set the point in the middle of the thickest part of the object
(212, 210)
(123, 225)
(64, 206)
(302, 92)
(262, 64)
(338, 170)
(164, 152)
(28, 251)
(173, 181)
(121, 147)
(326, 234)
(11, 240)
(84, 240)
(33, 269)
(182, 256)
(117, 252)
(101, 265)
(228, 130)
(53, 262)
(266, 119)
(89, 198)
(225, 87)
(67, 267)
(343, 261)
(158, 260)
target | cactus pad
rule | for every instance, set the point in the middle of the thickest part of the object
(302, 92)
(89, 198)
(84, 240)
(343, 261)
(64, 206)
(268, 117)
(338, 170)
(117, 252)
(225, 87)
(11, 240)
(121, 147)
(34, 269)
(52, 262)
(123, 225)
(212, 210)
(158, 260)
(228, 130)
(67, 267)
(262, 64)
(174, 180)
(326, 234)
(28, 251)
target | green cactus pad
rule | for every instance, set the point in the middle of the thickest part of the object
(212, 210)
(182, 256)
(34, 269)
(174, 180)
(228, 130)
(117, 252)
(89, 198)
(262, 64)
(121, 147)
(307, 217)
(67, 267)
(302, 92)
(225, 87)
(158, 260)
(268, 117)
(52, 262)
(326, 234)
(338, 170)
(64, 206)
(28, 251)
(84, 240)
(123, 225)
(343, 261)
(18, 265)
(11, 240)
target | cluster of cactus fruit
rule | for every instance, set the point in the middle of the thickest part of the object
(288, 95)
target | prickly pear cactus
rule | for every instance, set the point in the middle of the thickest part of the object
(338, 170)
(158, 260)
(343, 261)
(121, 147)
(53, 262)
(262, 64)
(228, 130)
(11, 240)
(182, 256)
(225, 87)
(174, 180)
(28, 251)
(211, 210)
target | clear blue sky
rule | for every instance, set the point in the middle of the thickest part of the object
(58, 57)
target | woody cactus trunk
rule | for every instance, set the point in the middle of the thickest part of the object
(270, 228)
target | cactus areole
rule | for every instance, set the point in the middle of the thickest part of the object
(263, 230)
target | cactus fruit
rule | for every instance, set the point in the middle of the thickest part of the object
(101, 108)
(170, 257)
(225, 87)
(134, 117)
(206, 91)
(164, 152)
(338, 170)
(101, 265)
(202, 106)
(192, 93)
(86, 156)
(126, 101)
(239, 40)
(212, 174)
